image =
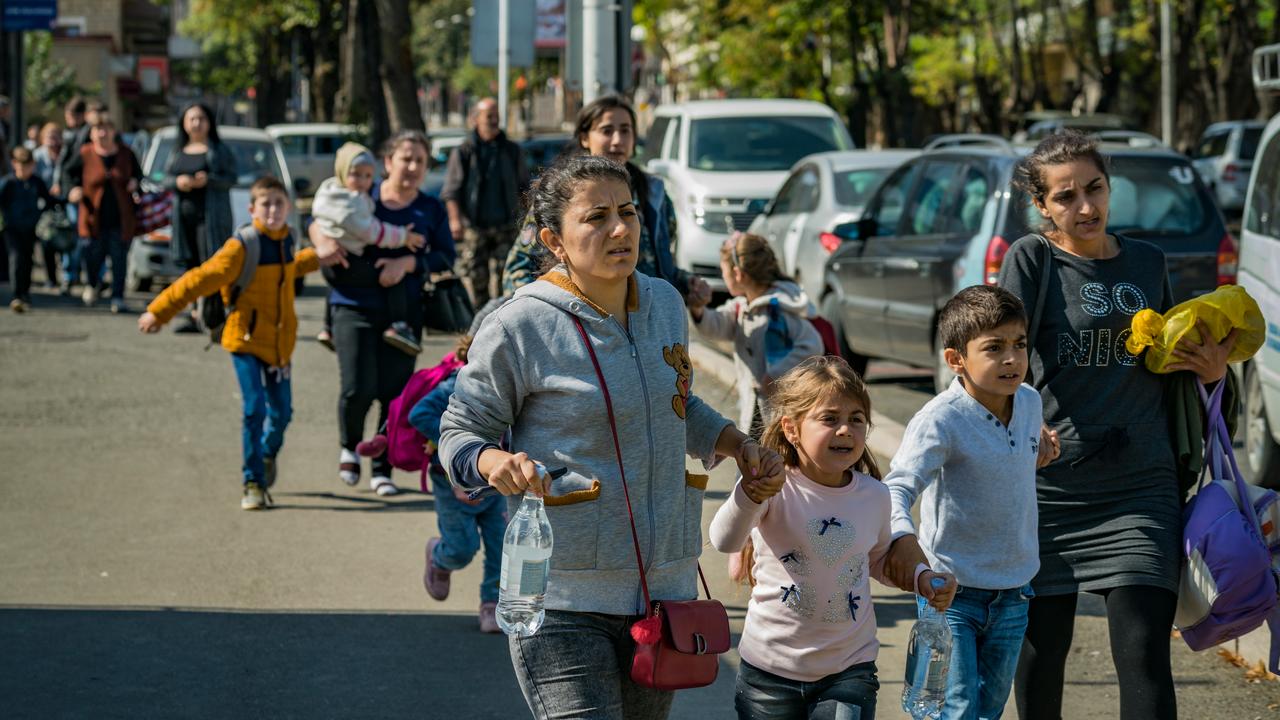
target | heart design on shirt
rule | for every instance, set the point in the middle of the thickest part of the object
(800, 598)
(796, 563)
(852, 572)
(831, 538)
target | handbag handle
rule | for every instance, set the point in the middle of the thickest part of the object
(617, 451)
(1218, 449)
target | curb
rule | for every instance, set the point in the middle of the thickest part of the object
(883, 440)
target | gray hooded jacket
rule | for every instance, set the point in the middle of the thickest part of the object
(529, 371)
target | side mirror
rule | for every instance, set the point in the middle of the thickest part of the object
(846, 231)
(865, 228)
(301, 185)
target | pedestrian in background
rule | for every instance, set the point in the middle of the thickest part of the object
(260, 331)
(46, 157)
(1110, 507)
(200, 172)
(607, 128)
(74, 116)
(767, 319)
(22, 193)
(370, 368)
(104, 178)
(814, 538)
(529, 370)
(484, 181)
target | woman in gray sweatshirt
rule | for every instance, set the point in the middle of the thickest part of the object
(529, 371)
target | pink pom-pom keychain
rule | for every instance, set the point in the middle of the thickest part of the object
(647, 631)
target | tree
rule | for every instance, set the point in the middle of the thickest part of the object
(396, 68)
(49, 84)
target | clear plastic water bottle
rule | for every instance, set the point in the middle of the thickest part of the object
(526, 559)
(924, 690)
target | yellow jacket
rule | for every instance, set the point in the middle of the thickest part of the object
(263, 323)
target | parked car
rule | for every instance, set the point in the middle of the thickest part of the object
(723, 159)
(944, 221)
(1224, 157)
(1260, 275)
(1084, 123)
(818, 204)
(542, 150)
(443, 142)
(309, 149)
(256, 153)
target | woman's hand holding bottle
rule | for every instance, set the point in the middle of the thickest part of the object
(512, 474)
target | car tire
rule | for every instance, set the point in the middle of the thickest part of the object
(831, 314)
(942, 375)
(1260, 461)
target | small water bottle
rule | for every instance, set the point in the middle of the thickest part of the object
(924, 690)
(526, 559)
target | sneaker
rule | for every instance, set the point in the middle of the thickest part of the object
(89, 296)
(401, 337)
(382, 485)
(325, 338)
(489, 617)
(269, 476)
(18, 305)
(349, 467)
(255, 498)
(65, 289)
(436, 578)
(118, 307)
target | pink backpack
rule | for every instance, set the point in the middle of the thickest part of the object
(406, 448)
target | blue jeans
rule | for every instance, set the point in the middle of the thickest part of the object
(268, 407)
(986, 636)
(846, 695)
(464, 527)
(578, 665)
(108, 243)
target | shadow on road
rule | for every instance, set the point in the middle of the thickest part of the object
(355, 503)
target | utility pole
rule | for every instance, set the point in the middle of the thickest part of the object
(1166, 74)
(504, 59)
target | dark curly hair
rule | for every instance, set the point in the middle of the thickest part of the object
(1064, 146)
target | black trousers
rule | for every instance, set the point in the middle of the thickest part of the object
(370, 370)
(22, 245)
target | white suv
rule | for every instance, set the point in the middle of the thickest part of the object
(722, 160)
(1259, 273)
(1224, 157)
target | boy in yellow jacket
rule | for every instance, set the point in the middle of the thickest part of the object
(260, 330)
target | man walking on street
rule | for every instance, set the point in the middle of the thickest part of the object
(482, 187)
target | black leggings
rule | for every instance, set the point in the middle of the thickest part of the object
(1139, 619)
(370, 370)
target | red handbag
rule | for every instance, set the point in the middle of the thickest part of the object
(679, 642)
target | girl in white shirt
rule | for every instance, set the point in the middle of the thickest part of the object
(816, 537)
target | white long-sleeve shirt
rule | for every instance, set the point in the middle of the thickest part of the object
(816, 548)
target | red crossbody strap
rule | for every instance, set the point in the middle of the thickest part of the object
(617, 450)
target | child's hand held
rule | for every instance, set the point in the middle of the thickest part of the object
(149, 323)
(415, 241)
(901, 561)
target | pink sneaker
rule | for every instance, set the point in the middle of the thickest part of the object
(489, 618)
(436, 578)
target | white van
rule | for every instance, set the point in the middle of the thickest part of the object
(309, 149)
(723, 160)
(1260, 275)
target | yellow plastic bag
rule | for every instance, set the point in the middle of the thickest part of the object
(1221, 310)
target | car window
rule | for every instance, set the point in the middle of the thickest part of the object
(761, 144)
(1249, 140)
(887, 207)
(1213, 145)
(674, 152)
(782, 202)
(328, 144)
(807, 190)
(657, 131)
(855, 187)
(928, 203)
(1261, 216)
(975, 191)
(293, 145)
(254, 159)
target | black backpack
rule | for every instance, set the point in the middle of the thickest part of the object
(211, 310)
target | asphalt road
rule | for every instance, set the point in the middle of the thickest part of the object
(132, 585)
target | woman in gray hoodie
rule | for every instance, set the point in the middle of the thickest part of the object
(529, 370)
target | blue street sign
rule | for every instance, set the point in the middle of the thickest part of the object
(29, 14)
